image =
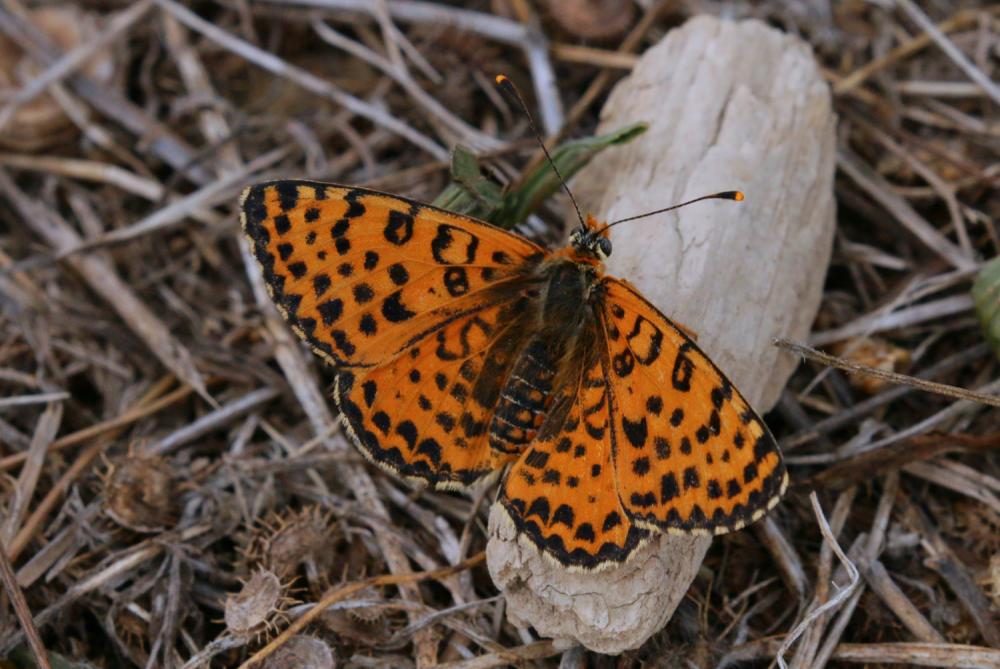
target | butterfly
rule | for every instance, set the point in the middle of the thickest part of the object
(461, 349)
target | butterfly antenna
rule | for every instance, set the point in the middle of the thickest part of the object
(507, 86)
(736, 195)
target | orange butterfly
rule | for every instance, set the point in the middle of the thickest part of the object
(461, 347)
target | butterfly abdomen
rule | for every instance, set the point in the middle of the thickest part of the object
(524, 399)
(526, 393)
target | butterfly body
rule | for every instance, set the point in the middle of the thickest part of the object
(462, 349)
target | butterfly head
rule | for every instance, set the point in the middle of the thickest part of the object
(591, 239)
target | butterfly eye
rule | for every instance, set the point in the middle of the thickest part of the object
(604, 244)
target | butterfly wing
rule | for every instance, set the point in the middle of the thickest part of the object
(420, 311)
(360, 275)
(689, 454)
(561, 492)
(649, 436)
(425, 415)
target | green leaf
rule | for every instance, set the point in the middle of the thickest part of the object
(569, 158)
(473, 194)
(986, 298)
(470, 193)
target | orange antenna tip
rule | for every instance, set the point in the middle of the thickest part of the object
(736, 195)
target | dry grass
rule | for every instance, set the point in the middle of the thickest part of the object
(166, 440)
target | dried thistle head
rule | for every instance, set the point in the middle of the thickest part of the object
(595, 20)
(41, 123)
(132, 631)
(259, 607)
(352, 626)
(367, 614)
(284, 542)
(993, 579)
(303, 652)
(140, 493)
(979, 527)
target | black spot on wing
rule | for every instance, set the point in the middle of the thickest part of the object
(668, 488)
(399, 228)
(636, 432)
(643, 500)
(408, 431)
(381, 420)
(321, 283)
(281, 224)
(539, 507)
(536, 459)
(368, 325)
(394, 310)
(331, 310)
(288, 194)
(563, 516)
(363, 293)
(680, 376)
(432, 449)
(369, 388)
(398, 274)
(456, 281)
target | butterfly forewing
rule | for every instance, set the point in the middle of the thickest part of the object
(690, 455)
(360, 275)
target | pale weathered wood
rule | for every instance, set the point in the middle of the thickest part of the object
(730, 106)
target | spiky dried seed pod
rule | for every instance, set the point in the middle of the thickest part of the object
(258, 607)
(41, 122)
(993, 579)
(593, 19)
(140, 493)
(302, 652)
(284, 542)
(367, 614)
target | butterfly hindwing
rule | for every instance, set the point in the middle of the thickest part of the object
(650, 438)
(691, 456)
(359, 274)
(426, 414)
(561, 491)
